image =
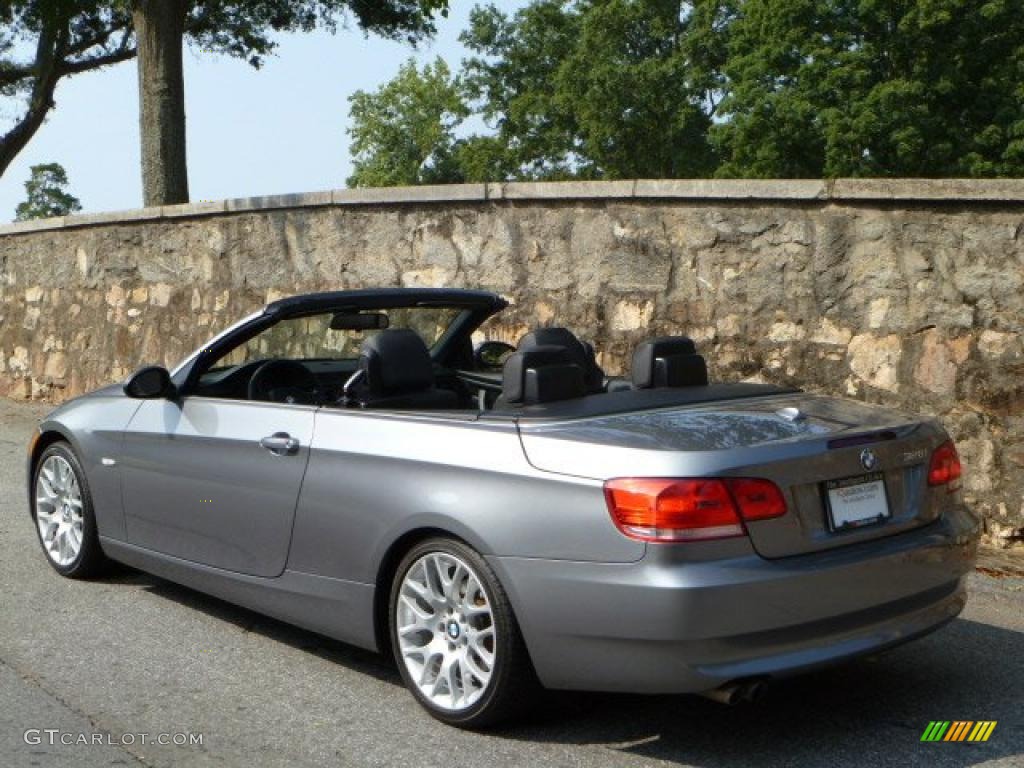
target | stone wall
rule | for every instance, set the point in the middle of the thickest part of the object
(909, 293)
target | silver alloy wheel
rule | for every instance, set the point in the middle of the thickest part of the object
(446, 632)
(59, 510)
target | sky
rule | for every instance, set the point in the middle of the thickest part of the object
(277, 130)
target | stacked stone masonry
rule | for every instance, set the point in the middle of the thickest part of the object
(908, 293)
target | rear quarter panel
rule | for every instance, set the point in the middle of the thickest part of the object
(374, 477)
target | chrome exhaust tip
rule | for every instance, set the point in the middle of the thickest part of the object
(753, 691)
(730, 694)
(748, 691)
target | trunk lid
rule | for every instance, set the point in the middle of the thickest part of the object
(799, 441)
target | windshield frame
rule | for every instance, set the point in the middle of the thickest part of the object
(477, 307)
(355, 338)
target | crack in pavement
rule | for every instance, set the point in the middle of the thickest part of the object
(35, 682)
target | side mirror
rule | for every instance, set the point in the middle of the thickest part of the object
(492, 354)
(150, 382)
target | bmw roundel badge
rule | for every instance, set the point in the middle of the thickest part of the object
(868, 460)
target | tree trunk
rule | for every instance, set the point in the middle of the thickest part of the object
(159, 31)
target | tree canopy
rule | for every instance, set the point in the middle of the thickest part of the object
(870, 88)
(239, 28)
(731, 88)
(47, 194)
(43, 41)
(405, 132)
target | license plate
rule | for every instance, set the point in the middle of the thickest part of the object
(856, 501)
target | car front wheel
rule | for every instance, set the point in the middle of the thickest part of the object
(62, 507)
(455, 638)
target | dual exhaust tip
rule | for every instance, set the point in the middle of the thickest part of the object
(736, 692)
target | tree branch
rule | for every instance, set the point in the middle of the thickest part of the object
(81, 46)
(15, 74)
(85, 65)
(12, 75)
(50, 50)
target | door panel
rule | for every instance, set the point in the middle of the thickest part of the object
(199, 485)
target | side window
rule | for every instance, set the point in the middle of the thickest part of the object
(244, 372)
(312, 355)
(300, 338)
(323, 337)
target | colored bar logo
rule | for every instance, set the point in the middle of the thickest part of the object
(959, 730)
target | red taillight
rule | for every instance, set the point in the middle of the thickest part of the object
(667, 509)
(757, 499)
(944, 468)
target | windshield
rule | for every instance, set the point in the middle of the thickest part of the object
(312, 337)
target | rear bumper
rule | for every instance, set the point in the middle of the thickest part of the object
(664, 626)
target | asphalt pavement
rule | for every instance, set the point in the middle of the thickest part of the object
(114, 665)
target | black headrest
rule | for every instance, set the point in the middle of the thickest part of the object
(580, 352)
(396, 361)
(671, 361)
(541, 375)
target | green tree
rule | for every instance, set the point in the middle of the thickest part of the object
(512, 83)
(47, 194)
(597, 89)
(636, 91)
(404, 133)
(67, 37)
(745, 88)
(871, 88)
(239, 28)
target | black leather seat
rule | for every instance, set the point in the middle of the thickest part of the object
(542, 374)
(581, 353)
(397, 372)
(670, 361)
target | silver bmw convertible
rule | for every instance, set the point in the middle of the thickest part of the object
(367, 465)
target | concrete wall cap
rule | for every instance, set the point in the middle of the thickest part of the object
(1010, 191)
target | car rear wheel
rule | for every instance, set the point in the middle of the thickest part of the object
(62, 507)
(454, 636)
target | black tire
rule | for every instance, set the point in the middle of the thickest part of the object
(513, 685)
(90, 559)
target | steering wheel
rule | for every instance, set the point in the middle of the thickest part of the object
(284, 381)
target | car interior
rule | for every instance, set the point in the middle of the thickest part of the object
(368, 364)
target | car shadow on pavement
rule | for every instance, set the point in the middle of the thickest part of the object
(871, 711)
(357, 659)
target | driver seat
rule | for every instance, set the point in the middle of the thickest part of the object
(397, 372)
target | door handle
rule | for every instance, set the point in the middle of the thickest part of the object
(280, 444)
